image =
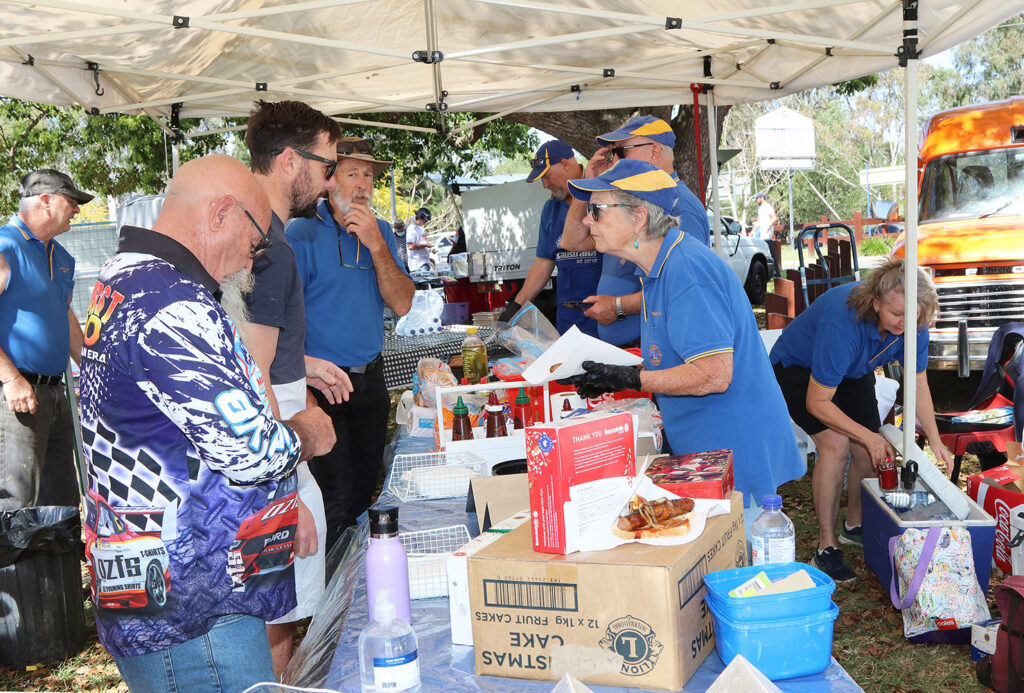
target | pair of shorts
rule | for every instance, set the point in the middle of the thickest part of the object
(855, 397)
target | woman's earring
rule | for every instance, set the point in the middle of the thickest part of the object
(636, 243)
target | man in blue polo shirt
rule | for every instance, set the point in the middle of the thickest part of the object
(578, 271)
(38, 330)
(617, 303)
(350, 269)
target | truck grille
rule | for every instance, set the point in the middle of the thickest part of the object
(988, 304)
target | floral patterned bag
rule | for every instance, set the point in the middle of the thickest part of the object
(935, 573)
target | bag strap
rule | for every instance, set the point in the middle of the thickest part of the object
(919, 572)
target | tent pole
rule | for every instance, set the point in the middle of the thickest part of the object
(713, 160)
(394, 204)
(789, 177)
(909, 54)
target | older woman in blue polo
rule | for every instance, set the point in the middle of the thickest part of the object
(703, 358)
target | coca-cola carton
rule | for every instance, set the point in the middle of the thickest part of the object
(580, 471)
(1000, 491)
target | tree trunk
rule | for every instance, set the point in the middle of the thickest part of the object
(580, 129)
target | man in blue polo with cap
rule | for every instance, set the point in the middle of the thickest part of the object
(578, 271)
(39, 330)
(616, 306)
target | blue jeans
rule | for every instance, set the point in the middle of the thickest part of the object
(231, 657)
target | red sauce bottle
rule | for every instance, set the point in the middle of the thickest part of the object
(522, 411)
(462, 428)
(495, 417)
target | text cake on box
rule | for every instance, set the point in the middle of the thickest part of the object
(632, 616)
(566, 461)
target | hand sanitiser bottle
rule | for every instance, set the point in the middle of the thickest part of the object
(388, 658)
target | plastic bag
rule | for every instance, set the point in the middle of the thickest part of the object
(431, 373)
(528, 333)
(43, 529)
(425, 315)
(647, 412)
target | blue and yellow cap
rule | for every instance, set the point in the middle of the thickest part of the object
(633, 176)
(641, 126)
(549, 153)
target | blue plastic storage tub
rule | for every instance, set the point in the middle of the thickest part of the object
(788, 605)
(779, 648)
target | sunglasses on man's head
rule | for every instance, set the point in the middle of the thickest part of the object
(594, 209)
(330, 164)
(360, 147)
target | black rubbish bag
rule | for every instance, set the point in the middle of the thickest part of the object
(42, 610)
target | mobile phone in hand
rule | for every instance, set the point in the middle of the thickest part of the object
(576, 305)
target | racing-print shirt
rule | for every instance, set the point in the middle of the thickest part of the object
(191, 506)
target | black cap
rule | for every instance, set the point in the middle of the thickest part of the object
(48, 180)
(423, 213)
(383, 520)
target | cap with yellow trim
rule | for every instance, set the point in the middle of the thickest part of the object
(633, 176)
(550, 153)
(641, 126)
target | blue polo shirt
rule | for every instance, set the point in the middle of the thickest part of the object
(344, 308)
(578, 272)
(34, 305)
(693, 217)
(618, 278)
(828, 339)
(694, 306)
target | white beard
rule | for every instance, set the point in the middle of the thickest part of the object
(234, 289)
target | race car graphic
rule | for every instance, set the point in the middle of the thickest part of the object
(127, 569)
(263, 543)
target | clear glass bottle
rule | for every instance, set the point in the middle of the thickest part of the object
(474, 357)
(388, 657)
(773, 537)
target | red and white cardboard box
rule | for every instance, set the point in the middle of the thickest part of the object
(580, 470)
(1000, 491)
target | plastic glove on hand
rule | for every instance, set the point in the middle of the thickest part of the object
(601, 378)
(511, 308)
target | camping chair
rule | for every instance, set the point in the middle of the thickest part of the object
(814, 232)
(998, 388)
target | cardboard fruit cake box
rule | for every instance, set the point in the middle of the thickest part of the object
(632, 616)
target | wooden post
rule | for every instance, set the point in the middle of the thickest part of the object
(858, 226)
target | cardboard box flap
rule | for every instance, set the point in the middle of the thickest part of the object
(495, 498)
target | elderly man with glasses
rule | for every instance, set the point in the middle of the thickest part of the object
(351, 268)
(578, 272)
(191, 511)
(40, 331)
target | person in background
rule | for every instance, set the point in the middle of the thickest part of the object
(291, 146)
(766, 219)
(616, 305)
(403, 248)
(183, 451)
(578, 272)
(825, 362)
(350, 270)
(40, 332)
(459, 246)
(703, 357)
(416, 241)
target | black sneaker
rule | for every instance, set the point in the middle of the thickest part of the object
(831, 562)
(853, 536)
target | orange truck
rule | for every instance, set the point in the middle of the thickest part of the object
(971, 227)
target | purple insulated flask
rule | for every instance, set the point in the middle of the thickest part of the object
(387, 567)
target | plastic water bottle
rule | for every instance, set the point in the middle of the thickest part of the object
(388, 658)
(387, 566)
(773, 538)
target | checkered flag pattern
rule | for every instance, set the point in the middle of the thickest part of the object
(127, 479)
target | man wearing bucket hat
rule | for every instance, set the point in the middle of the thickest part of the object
(416, 240)
(703, 357)
(351, 268)
(578, 271)
(41, 330)
(617, 303)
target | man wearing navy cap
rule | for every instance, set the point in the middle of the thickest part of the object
(578, 271)
(617, 305)
(39, 332)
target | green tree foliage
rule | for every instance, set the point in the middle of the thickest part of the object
(985, 68)
(105, 154)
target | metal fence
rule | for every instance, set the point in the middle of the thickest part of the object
(91, 245)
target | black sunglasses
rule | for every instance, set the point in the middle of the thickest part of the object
(361, 147)
(620, 151)
(331, 164)
(594, 209)
(264, 243)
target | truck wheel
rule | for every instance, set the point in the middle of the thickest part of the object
(757, 283)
